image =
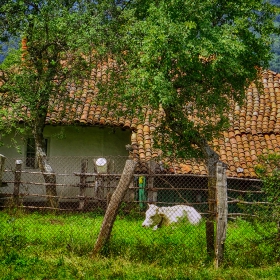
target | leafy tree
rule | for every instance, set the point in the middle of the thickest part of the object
(275, 48)
(190, 60)
(57, 46)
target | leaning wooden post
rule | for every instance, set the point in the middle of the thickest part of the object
(2, 164)
(17, 182)
(222, 212)
(112, 209)
(84, 168)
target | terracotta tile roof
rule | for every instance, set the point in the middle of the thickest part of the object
(255, 126)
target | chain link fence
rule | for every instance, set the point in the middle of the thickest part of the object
(84, 188)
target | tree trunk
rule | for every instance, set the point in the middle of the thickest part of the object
(46, 169)
(113, 206)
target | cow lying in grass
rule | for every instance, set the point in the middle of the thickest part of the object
(158, 216)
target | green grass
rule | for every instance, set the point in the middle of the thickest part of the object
(48, 246)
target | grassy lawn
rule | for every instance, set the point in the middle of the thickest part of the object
(48, 246)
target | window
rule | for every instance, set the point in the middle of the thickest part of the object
(31, 152)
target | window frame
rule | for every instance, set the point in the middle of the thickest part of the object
(30, 152)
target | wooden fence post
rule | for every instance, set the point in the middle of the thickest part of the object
(84, 168)
(210, 223)
(17, 182)
(2, 164)
(222, 212)
(152, 194)
(113, 206)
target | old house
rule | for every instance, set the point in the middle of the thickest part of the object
(90, 130)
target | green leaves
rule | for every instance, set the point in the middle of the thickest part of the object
(59, 36)
(189, 57)
(193, 57)
(268, 170)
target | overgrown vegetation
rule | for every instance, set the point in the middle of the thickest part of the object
(268, 171)
(48, 246)
(268, 209)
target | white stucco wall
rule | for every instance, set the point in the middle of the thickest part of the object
(67, 146)
(77, 141)
(87, 141)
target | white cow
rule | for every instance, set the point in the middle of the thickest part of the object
(158, 216)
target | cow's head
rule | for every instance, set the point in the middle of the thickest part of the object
(153, 218)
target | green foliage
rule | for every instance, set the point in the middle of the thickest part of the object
(59, 44)
(275, 48)
(268, 170)
(251, 244)
(190, 58)
(187, 58)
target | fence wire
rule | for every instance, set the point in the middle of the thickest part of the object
(82, 185)
(84, 188)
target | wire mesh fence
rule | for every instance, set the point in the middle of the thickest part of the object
(82, 184)
(84, 188)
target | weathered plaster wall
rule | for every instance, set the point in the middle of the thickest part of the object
(87, 141)
(67, 146)
(77, 141)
